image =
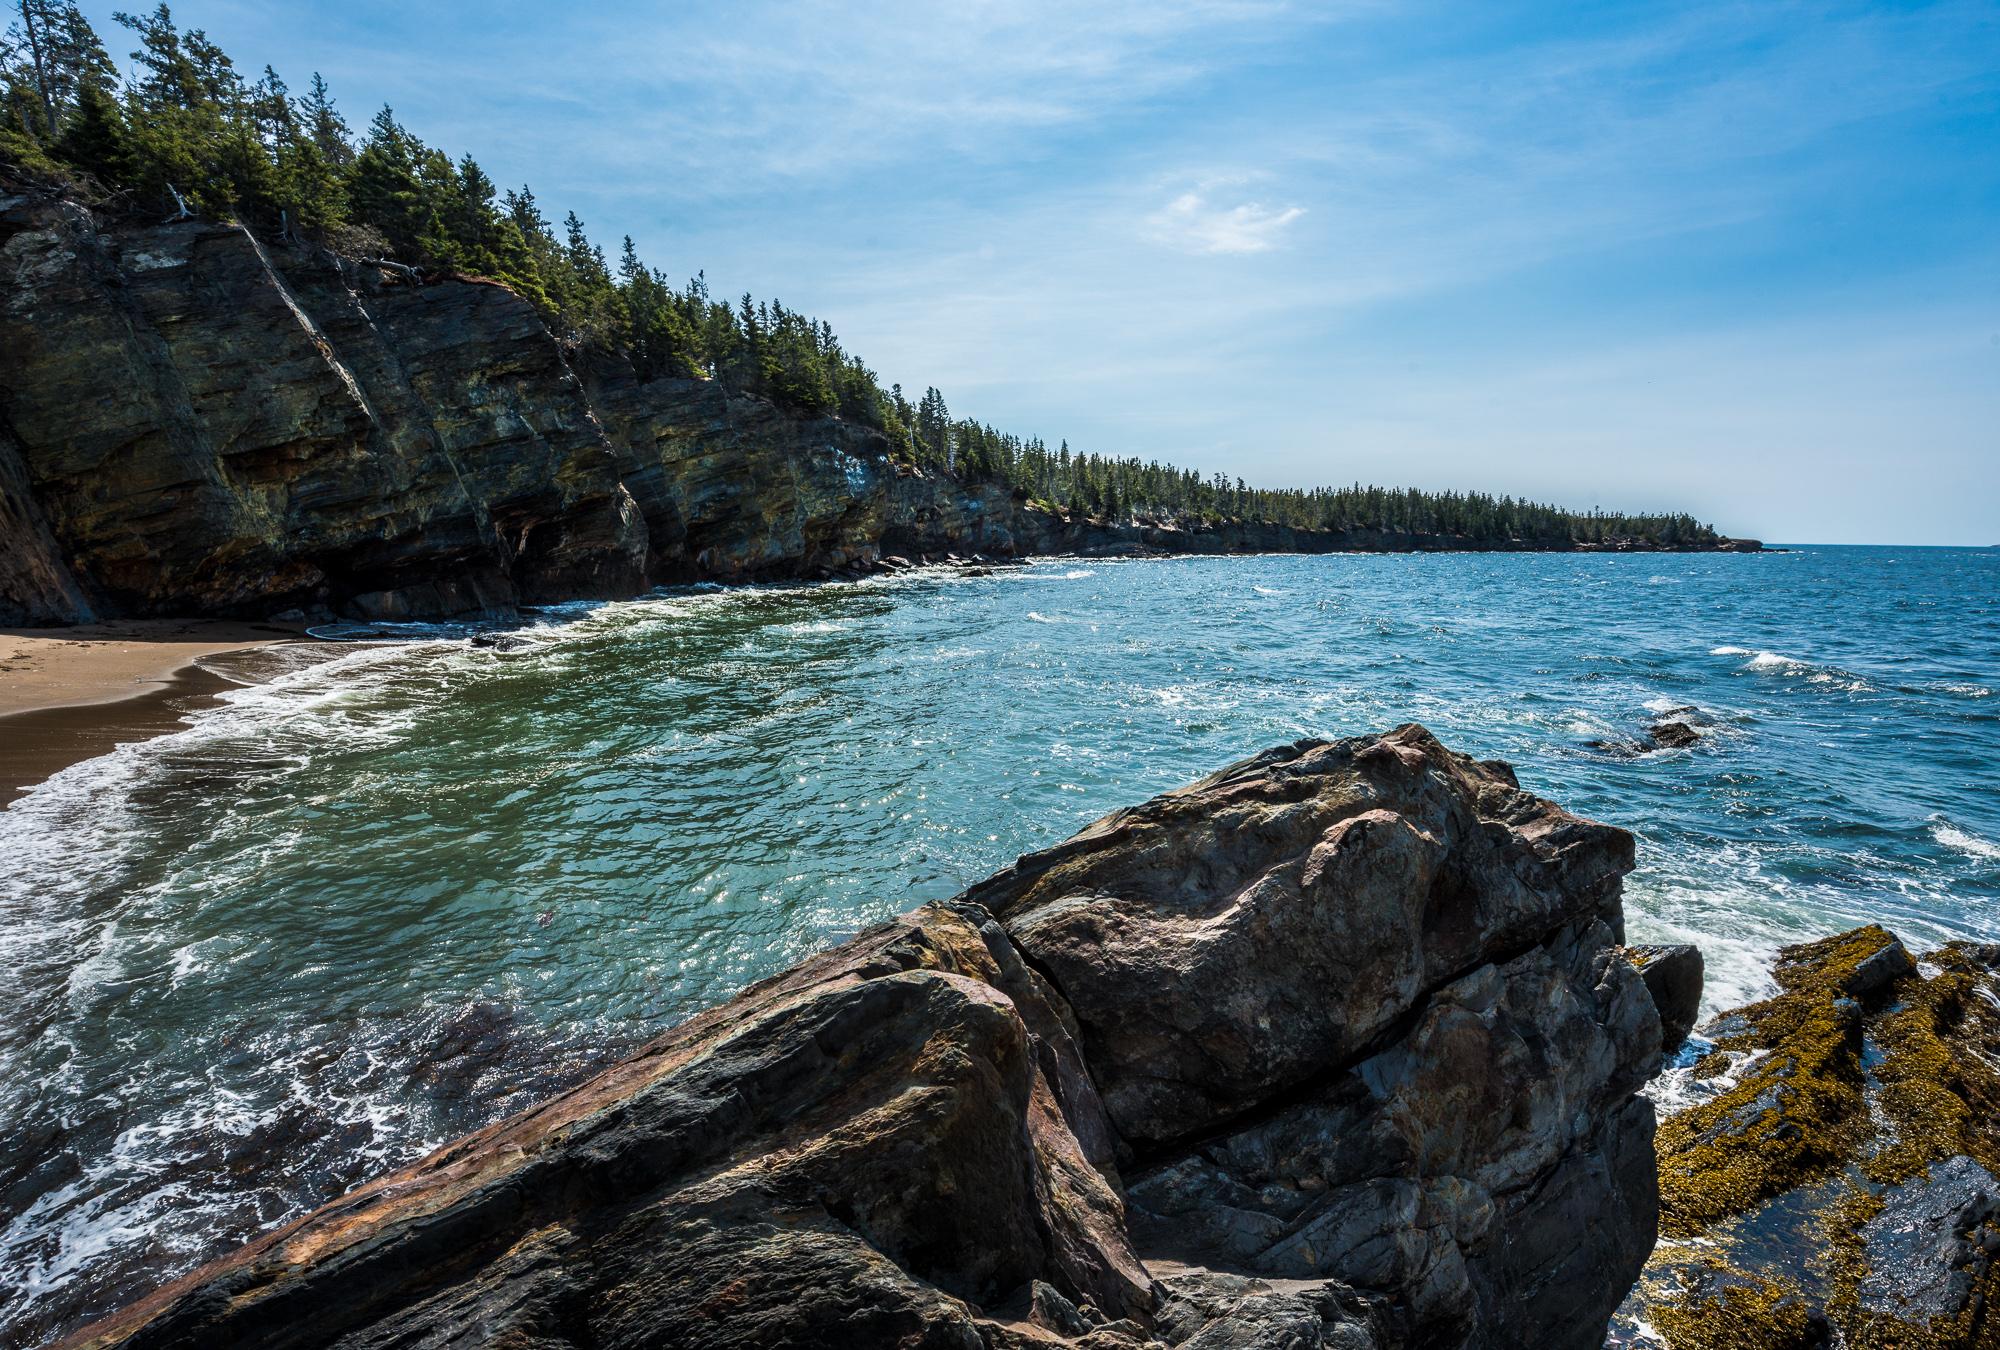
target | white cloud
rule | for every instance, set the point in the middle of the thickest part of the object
(1194, 224)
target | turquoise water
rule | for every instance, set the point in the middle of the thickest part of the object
(375, 903)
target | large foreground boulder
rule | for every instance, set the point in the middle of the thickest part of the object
(1361, 1007)
(1337, 1047)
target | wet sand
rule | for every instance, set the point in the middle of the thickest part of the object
(70, 694)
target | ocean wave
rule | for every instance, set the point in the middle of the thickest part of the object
(1951, 836)
(1676, 1088)
(1814, 672)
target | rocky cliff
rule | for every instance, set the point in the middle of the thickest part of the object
(1336, 1047)
(193, 421)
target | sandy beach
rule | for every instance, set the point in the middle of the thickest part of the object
(121, 659)
(68, 694)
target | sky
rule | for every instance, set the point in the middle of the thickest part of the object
(1734, 258)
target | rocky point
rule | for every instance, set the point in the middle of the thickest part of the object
(1830, 1159)
(1336, 1047)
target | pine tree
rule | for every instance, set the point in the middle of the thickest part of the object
(94, 140)
(56, 55)
(325, 127)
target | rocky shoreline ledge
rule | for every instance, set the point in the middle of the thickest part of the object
(1341, 1046)
(197, 422)
(1830, 1159)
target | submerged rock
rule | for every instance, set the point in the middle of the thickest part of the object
(1340, 1038)
(1673, 735)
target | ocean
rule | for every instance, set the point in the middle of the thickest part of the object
(369, 904)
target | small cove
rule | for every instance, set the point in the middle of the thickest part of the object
(365, 906)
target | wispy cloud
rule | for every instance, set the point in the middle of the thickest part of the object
(1193, 223)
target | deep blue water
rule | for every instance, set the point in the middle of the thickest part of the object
(372, 904)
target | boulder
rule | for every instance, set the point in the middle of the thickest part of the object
(1224, 942)
(1361, 1004)
(1340, 1042)
(1673, 976)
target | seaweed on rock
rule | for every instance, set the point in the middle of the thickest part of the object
(1843, 1186)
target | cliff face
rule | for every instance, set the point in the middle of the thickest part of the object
(192, 421)
(208, 425)
(1333, 1048)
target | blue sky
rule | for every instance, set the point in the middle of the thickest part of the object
(1736, 258)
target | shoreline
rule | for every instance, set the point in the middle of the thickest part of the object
(73, 693)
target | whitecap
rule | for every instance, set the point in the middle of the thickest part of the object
(1730, 651)
(1676, 1088)
(1043, 618)
(1266, 590)
(1764, 660)
(1964, 841)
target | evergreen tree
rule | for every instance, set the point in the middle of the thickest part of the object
(53, 55)
(94, 139)
(325, 128)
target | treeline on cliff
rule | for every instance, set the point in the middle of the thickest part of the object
(190, 134)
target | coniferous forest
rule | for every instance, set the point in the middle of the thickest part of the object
(188, 133)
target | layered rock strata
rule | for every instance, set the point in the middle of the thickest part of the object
(194, 421)
(1336, 1047)
(1832, 1173)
